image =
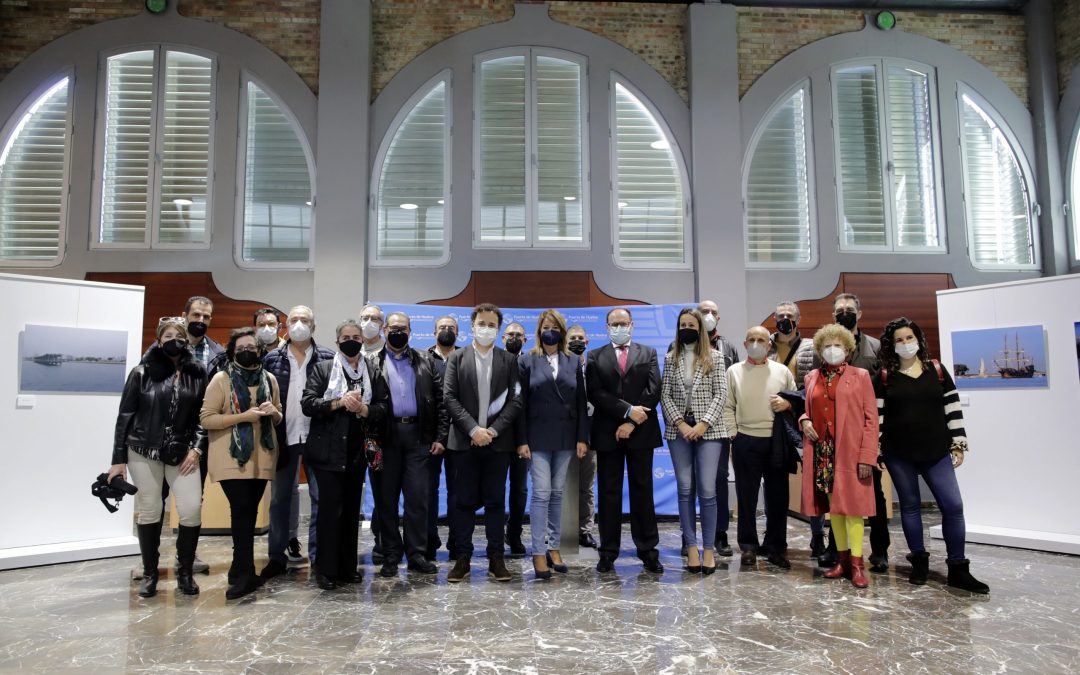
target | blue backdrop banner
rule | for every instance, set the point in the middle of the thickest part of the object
(654, 325)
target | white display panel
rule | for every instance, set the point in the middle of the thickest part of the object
(55, 444)
(1021, 478)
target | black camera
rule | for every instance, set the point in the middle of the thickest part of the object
(104, 489)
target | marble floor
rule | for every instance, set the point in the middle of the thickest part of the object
(87, 618)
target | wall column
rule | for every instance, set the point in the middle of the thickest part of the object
(717, 164)
(341, 213)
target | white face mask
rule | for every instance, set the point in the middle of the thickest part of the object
(620, 335)
(834, 355)
(907, 350)
(369, 328)
(267, 335)
(710, 322)
(757, 350)
(484, 336)
(299, 331)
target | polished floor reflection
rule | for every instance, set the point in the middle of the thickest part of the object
(86, 617)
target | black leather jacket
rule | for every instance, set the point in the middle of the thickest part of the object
(146, 404)
(434, 422)
(328, 439)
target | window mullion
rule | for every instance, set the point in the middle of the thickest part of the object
(532, 179)
(157, 134)
(885, 122)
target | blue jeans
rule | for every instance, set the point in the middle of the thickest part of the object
(696, 465)
(723, 514)
(940, 477)
(284, 503)
(548, 470)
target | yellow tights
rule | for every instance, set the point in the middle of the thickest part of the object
(848, 531)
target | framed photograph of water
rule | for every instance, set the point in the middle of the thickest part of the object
(68, 360)
(1000, 358)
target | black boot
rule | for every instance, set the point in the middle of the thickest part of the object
(149, 541)
(244, 580)
(920, 567)
(829, 558)
(817, 545)
(960, 577)
(186, 541)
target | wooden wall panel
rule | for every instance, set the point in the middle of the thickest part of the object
(532, 290)
(166, 293)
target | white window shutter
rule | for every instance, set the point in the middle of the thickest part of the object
(126, 169)
(861, 157)
(411, 196)
(778, 224)
(502, 173)
(277, 185)
(33, 164)
(912, 154)
(185, 148)
(558, 151)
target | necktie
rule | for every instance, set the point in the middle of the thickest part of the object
(622, 360)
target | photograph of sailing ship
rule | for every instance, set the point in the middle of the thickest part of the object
(995, 358)
(67, 360)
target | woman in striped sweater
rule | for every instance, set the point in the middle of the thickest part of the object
(922, 434)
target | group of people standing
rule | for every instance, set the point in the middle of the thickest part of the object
(375, 407)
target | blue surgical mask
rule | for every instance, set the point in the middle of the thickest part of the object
(620, 335)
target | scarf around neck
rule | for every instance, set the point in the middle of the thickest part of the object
(242, 440)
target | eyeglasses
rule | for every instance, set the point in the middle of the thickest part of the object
(172, 319)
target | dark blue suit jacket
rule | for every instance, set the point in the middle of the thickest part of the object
(554, 417)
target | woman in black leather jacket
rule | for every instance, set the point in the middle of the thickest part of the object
(347, 401)
(158, 437)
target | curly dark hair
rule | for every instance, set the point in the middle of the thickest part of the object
(246, 331)
(889, 359)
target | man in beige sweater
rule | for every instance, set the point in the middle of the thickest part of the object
(752, 403)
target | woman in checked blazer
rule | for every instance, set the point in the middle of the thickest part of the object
(693, 394)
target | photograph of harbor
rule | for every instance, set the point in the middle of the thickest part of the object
(67, 360)
(994, 358)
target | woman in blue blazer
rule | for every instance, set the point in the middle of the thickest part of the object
(553, 424)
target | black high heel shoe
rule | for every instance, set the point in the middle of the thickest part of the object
(694, 569)
(561, 568)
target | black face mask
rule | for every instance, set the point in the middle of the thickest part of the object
(447, 337)
(688, 336)
(397, 339)
(576, 347)
(196, 329)
(247, 359)
(514, 345)
(350, 348)
(785, 326)
(172, 348)
(847, 320)
(550, 337)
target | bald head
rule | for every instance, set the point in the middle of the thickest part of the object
(757, 332)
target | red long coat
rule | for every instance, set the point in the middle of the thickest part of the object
(856, 443)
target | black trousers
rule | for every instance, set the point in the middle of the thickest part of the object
(374, 478)
(244, 495)
(405, 472)
(879, 522)
(750, 458)
(519, 496)
(609, 482)
(435, 467)
(479, 479)
(338, 525)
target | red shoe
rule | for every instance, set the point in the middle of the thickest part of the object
(858, 572)
(842, 568)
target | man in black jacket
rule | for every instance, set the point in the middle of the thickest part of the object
(416, 428)
(623, 382)
(483, 398)
(446, 335)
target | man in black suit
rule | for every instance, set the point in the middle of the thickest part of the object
(417, 428)
(623, 383)
(514, 339)
(482, 394)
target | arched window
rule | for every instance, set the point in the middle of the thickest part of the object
(887, 151)
(777, 186)
(411, 191)
(997, 198)
(649, 189)
(154, 150)
(33, 179)
(276, 183)
(531, 167)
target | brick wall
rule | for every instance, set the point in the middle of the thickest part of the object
(1067, 21)
(290, 28)
(997, 41)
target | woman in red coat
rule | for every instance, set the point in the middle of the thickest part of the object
(840, 431)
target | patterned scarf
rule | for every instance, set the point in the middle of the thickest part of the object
(825, 447)
(242, 440)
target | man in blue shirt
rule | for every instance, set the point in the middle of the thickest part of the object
(416, 428)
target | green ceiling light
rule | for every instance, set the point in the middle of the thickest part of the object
(885, 20)
(156, 6)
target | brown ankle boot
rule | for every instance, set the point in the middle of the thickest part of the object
(858, 572)
(842, 568)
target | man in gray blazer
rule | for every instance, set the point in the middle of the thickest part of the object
(482, 394)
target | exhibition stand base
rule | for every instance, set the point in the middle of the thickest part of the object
(75, 551)
(1029, 539)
